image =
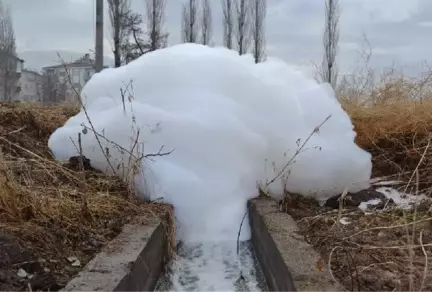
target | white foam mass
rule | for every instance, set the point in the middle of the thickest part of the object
(231, 123)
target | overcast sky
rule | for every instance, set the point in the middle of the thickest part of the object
(399, 31)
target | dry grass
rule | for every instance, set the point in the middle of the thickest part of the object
(57, 211)
(54, 211)
(387, 250)
(395, 129)
(371, 253)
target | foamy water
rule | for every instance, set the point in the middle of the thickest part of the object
(213, 267)
(231, 125)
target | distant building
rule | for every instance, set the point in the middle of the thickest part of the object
(31, 86)
(11, 68)
(75, 74)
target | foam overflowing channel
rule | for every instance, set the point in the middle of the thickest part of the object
(204, 127)
(213, 267)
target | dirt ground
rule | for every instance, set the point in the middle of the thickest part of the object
(385, 248)
(53, 218)
(369, 252)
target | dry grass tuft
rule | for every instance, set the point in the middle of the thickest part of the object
(395, 128)
(387, 250)
(371, 252)
(55, 211)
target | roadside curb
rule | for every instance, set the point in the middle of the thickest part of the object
(289, 263)
(133, 261)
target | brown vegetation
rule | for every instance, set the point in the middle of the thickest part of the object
(396, 126)
(51, 212)
(388, 249)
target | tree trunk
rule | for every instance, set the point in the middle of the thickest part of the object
(117, 21)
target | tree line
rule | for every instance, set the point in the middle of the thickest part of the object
(243, 30)
(8, 55)
(134, 35)
(243, 27)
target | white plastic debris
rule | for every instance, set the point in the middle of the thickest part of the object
(365, 205)
(344, 221)
(75, 262)
(22, 273)
(402, 200)
(72, 259)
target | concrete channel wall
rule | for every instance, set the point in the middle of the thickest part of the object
(289, 263)
(133, 261)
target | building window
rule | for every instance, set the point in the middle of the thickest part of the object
(87, 75)
(75, 75)
(19, 66)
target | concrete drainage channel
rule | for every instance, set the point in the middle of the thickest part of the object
(136, 259)
(133, 261)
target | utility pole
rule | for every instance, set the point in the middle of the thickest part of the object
(99, 36)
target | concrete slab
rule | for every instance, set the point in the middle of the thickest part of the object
(288, 261)
(133, 261)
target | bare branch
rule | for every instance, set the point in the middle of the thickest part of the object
(136, 47)
(189, 22)
(8, 60)
(155, 20)
(78, 96)
(119, 10)
(242, 25)
(206, 22)
(259, 10)
(298, 151)
(329, 70)
(53, 88)
(228, 24)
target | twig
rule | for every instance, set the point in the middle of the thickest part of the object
(160, 153)
(425, 269)
(418, 164)
(86, 113)
(17, 130)
(241, 277)
(97, 135)
(341, 206)
(376, 264)
(239, 231)
(330, 269)
(81, 160)
(386, 227)
(410, 239)
(315, 130)
(37, 156)
(373, 247)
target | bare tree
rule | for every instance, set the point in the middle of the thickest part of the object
(242, 25)
(206, 22)
(53, 88)
(329, 69)
(8, 59)
(155, 20)
(119, 11)
(259, 10)
(228, 24)
(189, 22)
(134, 45)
